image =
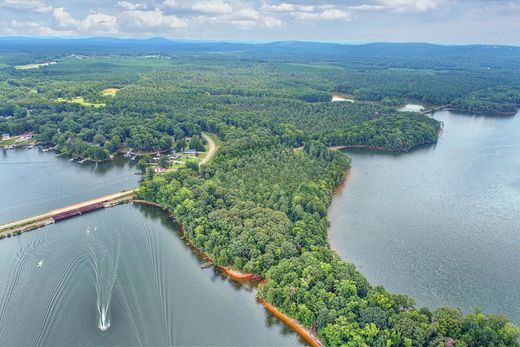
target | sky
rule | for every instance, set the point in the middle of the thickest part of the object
(437, 21)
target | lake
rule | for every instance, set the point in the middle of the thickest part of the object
(123, 276)
(34, 181)
(118, 276)
(411, 108)
(337, 97)
(441, 223)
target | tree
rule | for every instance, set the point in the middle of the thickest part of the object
(192, 165)
(196, 143)
(144, 162)
(449, 321)
(142, 165)
(99, 139)
(180, 144)
(163, 162)
(374, 315)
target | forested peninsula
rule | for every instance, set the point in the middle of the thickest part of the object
(260, 206)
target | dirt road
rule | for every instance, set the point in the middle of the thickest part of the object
(212, 148)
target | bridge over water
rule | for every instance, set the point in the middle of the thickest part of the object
(33, 222)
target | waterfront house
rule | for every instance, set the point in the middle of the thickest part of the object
(26, 136)
(5, 136)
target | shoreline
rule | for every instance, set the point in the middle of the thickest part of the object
(476, 113)
(146, 202)
(33, 222)
(292, 323)
(341, 186)
(372, 148)
(338, 190)
(242, 277)
(234, 274)
(212, 143)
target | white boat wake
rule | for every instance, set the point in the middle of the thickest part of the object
(104, 254)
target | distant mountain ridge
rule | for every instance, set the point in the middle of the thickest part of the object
(411, 55)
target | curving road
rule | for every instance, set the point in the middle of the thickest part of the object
(212, 148)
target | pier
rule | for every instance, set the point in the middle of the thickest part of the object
(43, 219)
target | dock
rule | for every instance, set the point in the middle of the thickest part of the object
(43, 219)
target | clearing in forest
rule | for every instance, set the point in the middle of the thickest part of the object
(109, 92)
(33, 66)
(80, 100)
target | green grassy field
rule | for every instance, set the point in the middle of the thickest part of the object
(8, 142)
(31, 66)
(81, 101)
(109, 92)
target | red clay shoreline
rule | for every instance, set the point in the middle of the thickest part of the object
(292, 323)
(240, 277)
(373, 148)
(145, 202)
(342, 184)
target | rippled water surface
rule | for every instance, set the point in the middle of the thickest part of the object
(34, 182)
(126, 270)
(441, 223)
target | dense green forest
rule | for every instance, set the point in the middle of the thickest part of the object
(261, 204)
(262, 207)
(192, 97)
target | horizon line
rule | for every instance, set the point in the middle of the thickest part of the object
(223, 40)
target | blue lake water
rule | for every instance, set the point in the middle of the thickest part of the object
(441, 223)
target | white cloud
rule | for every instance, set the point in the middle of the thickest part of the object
(247, 18)
(509, 8)
(367, 7)
(413, 5)
(328, 14)
(245, 13)
(323, 11)
(335, 14)
(64, 18)
(247, 24)
(127, 5)
(26, 5)
(170, 3)
(155, 19)
(99, 23)
(244, 24)
(15, 27)
(471, 21)
(242, 17)
(272, 22)
(212, 6)
(93, 23)
(288, 7)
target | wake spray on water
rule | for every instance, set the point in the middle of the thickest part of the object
(104, 253)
